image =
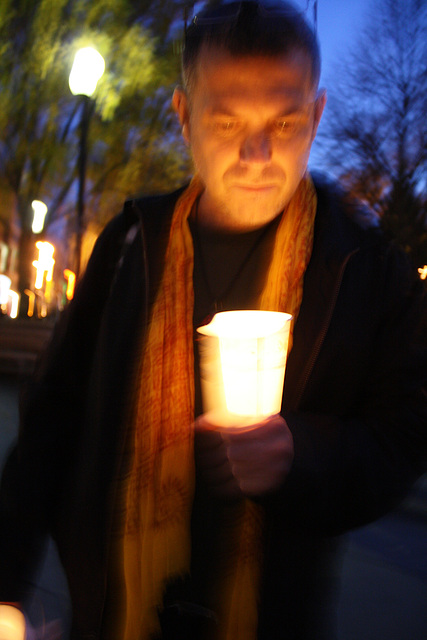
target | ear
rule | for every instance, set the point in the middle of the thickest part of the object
(180, 106)
(318, 110)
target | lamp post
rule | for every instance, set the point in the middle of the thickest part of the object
(87, 69)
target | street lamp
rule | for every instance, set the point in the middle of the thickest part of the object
(39, 211)
(87, 69)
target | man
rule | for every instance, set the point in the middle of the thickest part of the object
(166, 527)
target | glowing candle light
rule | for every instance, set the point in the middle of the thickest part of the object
(423, 272)
(14, 303)
(44, 264)
(242, 362)
(12, 623)
(5, 283)
(70, 277)
(31, 302)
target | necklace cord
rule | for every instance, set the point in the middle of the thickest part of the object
(218, 300)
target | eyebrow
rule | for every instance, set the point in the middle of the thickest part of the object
(230, 113)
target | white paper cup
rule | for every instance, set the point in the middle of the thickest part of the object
(242, 365)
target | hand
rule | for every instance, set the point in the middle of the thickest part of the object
(212, 461)
(253, 461)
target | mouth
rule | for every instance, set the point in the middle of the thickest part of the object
(255, 186)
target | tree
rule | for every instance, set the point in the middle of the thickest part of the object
(134, 144)
(374, 130)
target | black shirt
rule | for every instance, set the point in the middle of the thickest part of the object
(229, 273)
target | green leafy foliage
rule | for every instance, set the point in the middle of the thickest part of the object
(134, 142)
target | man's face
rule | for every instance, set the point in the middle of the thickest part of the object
(250, 123)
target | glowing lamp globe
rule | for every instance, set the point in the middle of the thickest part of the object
(39, 211)
(242, 364)
(87, 69)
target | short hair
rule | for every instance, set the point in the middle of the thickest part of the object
(249, 28)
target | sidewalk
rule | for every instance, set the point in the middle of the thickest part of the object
(384, 577)
(384, 585)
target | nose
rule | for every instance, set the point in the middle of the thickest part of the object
(256, 148)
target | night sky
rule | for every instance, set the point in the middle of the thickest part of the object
(338, 25)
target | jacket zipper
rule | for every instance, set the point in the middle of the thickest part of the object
(324, 330)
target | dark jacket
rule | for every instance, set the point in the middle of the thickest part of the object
(353, 399)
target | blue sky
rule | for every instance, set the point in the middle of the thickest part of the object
(338, 25)
(338, 22)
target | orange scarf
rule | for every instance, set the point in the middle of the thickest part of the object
(161, 484)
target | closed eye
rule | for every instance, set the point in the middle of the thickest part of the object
(287, 127)
(226, 128)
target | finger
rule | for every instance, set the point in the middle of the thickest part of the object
(219, 478)
(202, 423)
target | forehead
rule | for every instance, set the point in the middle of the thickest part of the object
(221, 77)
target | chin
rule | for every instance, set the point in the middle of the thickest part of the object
(254, 214)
